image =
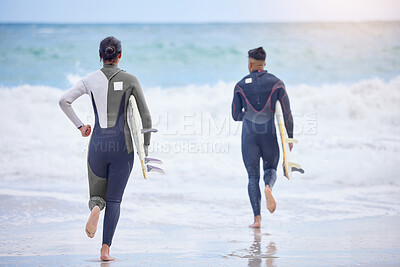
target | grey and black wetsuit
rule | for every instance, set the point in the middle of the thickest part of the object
(254, 104)
(110, 156)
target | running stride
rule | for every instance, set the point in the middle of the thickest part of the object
(110, 157)
(254, 103)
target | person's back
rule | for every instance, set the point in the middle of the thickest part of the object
(259, 92)
(254, 102)
(109, 89)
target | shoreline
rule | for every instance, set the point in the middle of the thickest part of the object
(362, 242)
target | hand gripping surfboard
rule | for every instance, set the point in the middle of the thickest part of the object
(288, 166)
(135, 126)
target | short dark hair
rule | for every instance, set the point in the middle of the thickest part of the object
(110, 48)
(257, 53)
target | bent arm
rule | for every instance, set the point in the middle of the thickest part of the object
(68, 98)
(287, 113)
(237, 107)
(143, 110)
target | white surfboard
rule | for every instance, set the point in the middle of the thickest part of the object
(288, 166)
(137, 131)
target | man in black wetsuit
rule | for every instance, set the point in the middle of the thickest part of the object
(254, 103)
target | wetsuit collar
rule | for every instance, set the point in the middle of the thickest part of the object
(110, 70)
(259, 71)
(110, 65)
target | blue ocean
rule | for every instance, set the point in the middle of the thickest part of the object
(169, 55)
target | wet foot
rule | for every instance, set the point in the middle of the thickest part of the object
(91, 225)
(257, 222)
(271, 204)
(105, 253)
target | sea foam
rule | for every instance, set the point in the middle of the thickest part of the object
(349, 145)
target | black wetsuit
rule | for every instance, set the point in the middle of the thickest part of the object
(254, 104)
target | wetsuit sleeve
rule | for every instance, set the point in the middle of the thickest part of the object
(287, 114)
(237, 107)
(68, 98)
(143, 110)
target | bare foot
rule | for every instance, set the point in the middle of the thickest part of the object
(271, 204)
(91, 225)
(105, 253)
(257, 222)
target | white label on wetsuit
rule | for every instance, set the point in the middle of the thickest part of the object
(248, 80)
(118, 86)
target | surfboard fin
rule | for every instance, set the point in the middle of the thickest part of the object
(297, 170)
(152, 130)
(151, 168)
(291, 141)
(294, 167)
(157, 161)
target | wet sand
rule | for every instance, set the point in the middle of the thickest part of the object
(371, 241)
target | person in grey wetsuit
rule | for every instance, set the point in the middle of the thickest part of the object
(110, 156)
(253, 103)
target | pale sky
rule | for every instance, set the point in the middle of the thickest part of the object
(197, 11)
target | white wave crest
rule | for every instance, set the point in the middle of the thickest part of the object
(349, 136)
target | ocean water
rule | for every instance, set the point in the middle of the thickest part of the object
(343, 81)
(181, 55)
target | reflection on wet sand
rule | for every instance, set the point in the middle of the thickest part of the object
(255, 249)
(255, 252)
(256, 255)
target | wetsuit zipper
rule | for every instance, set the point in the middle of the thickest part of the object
(258, 89)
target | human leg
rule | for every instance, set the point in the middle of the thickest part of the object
(251, 159)
(119, 171)
(97, 192)
(270, 155)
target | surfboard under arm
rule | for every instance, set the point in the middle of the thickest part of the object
(137, 131)
(288, 166)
